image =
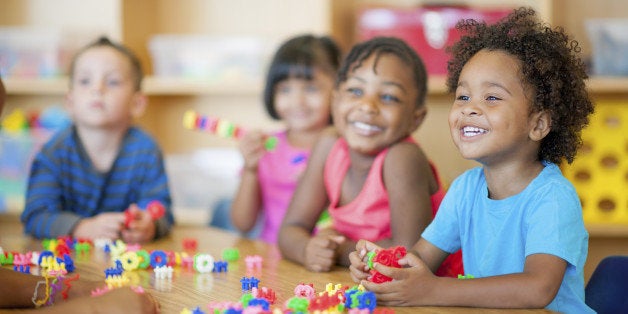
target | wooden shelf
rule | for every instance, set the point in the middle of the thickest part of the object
(157, 86)
(607, 230)
(153, 86)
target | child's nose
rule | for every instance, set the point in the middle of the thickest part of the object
(98, 87)
(368, 104)
(471, 109)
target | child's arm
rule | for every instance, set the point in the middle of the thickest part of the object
(535, 287)
(247, 202)
(17, 289)
(155, 188)
(44, 215)
(104, 225)
(308, 202)
(119, 300)
(410, 183)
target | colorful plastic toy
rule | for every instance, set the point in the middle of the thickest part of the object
(155, 209)
(223, 128)
(388, 257)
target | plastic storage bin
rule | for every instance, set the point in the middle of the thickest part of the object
(609, 40)
(29, 52)
(200, 180)
(428, 29)
(207, 57)
(17, 150)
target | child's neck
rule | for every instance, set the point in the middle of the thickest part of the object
(511, 179)
(302, 139)
(102, 146)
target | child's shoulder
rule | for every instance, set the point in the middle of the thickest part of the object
(138, 137)
(59, 138)
(408, 150)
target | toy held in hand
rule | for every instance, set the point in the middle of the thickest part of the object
(194, 121)
(155, 209)
(388, 257)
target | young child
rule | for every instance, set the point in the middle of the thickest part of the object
(298, 92)
(375, 181)
(87, 175)
(520, 105)
(17, 289)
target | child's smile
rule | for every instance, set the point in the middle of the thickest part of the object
(376, 106)
(490, 119)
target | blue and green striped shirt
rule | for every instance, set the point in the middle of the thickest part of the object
(64, 186)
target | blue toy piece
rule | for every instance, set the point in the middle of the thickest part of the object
(261, 302)
(158, 258)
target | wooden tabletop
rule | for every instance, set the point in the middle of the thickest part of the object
(190, 289)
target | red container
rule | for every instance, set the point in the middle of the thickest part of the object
(428, 29)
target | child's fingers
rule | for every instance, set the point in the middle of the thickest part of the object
(392, 272)
(411, 260)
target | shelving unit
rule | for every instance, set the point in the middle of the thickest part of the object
(134, 21)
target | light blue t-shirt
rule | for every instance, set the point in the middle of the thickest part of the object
(496, 236)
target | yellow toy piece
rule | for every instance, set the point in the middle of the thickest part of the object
(15, 122)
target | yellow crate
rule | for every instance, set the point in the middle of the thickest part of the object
(600, 170)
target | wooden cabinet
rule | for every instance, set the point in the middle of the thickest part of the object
(135, 21)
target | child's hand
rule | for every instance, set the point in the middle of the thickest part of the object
(105, 225)
(320, 252)
(409, 287)
(119, 300)
(359, 268)
(252, 149)
(141, 229)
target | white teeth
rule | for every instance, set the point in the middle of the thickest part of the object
(472, 131)
(367, 127)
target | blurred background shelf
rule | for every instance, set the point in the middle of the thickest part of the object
(160, 86)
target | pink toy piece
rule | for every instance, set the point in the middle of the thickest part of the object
(305, 291)
(253, 262)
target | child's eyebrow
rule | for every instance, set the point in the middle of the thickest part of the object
(500, 86)
(400, 86)
(485, 84)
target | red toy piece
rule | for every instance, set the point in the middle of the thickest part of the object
(189, 244)
(156, 209)
(388, 257)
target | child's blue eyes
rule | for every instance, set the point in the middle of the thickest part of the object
(467, 98)
(87, 82)
(355, 91)
(389, 98)
(358, 92)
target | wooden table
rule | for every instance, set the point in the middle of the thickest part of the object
(189, 289)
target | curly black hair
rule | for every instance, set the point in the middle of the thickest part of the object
(386, 45)
(297, 57)
(550, 66)
(103, 41)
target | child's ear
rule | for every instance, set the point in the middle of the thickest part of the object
(138, 105)
(418, 117)
(541, 125)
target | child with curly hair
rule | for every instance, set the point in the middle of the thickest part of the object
(367, 171)
(520, 105)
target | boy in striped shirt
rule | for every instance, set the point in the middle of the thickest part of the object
(85, 178)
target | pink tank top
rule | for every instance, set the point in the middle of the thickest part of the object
(368, 215)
